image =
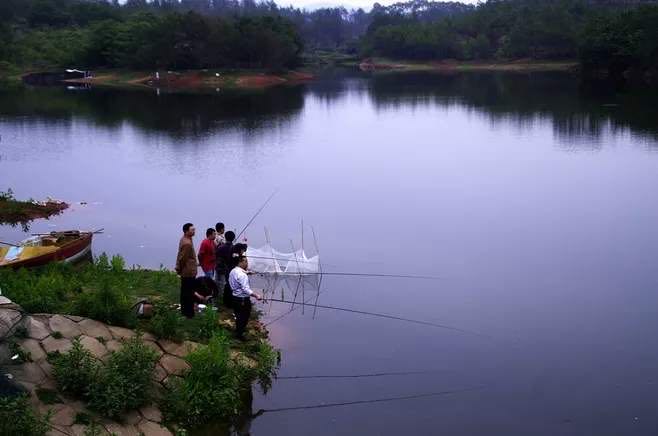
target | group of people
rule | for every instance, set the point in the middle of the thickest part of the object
(225, 269)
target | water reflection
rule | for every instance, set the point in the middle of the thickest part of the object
(521, 99)
(180, 116)
(579, 117)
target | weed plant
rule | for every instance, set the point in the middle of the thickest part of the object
(210, 389)
(76, 370)
(125, 382)
(167, 322)
(18, 418)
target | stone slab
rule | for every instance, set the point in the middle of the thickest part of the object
(95, 329)
(151, 413)
(63, 415)
(36, 329)
(178, 349)
(121, 333)
(159, 373)
(69, 329)
(33, 347)
(121, 430)
(174, 365)
(29, 372)
(94, 346)
(113, 345)
(50, 345)
(149, 428)
(9, 320)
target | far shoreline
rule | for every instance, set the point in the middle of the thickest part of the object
(518, 65)
(217, 79)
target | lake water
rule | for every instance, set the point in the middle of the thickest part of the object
(531, 198)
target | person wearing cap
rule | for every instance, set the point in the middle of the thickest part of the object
(242, 293)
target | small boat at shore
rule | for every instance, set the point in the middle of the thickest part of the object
(39, 250)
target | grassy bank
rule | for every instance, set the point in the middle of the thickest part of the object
(194, 79)
(219, 370)
(13, 211)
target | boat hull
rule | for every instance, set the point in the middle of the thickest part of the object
(70, 252)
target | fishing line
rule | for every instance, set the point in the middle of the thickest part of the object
(293, 309)
(376, 400)
(397, 318)
(376, 374)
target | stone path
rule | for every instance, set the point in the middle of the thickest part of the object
(49, 333)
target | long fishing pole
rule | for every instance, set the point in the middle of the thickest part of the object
(9, 243)
(397, 318)
(256, 214)
(376, 400)
(376, 374)
(354, 274)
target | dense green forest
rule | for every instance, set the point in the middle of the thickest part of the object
(42, 33)
(607, 35)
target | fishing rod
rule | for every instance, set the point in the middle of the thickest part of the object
(354, 274)
(9, 244)
(256, 214)
(377, 374)
(376, 400)
(69, 232)
(383, 315)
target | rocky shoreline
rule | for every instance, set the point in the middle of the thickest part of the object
(36, 336)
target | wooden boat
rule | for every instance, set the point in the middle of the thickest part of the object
(67, 246)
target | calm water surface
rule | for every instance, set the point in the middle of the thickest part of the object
(533, 200)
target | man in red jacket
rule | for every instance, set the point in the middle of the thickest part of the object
(207, 254)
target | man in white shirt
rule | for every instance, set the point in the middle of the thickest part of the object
(238, 280)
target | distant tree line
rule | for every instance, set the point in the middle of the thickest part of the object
(610, 35)
(88, 33)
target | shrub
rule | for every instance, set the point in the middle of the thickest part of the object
(18, 418)
(268, 360)
(107, 304)
(125, 381)
(167, 322)
(210, 389)
(76, 370)
(117, 264)
(45, 291)
(208, 323)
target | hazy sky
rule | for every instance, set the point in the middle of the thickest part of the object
(365, 4)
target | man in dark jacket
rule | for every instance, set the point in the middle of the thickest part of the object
(186, 268)
(223, 257)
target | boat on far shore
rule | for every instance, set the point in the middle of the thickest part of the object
(41, 249)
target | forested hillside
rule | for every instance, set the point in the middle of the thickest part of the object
(611, 35)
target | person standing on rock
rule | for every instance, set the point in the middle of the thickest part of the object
(186, 268)
(242, 293)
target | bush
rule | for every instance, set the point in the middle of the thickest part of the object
(210, 389)
(125, 382)
(18, 418)
(107, 304)
(45, 291)
(76, 370)
(167, 322)
(208, 323)
(268, 360)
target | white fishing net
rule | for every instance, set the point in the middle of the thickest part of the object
(266, 259)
